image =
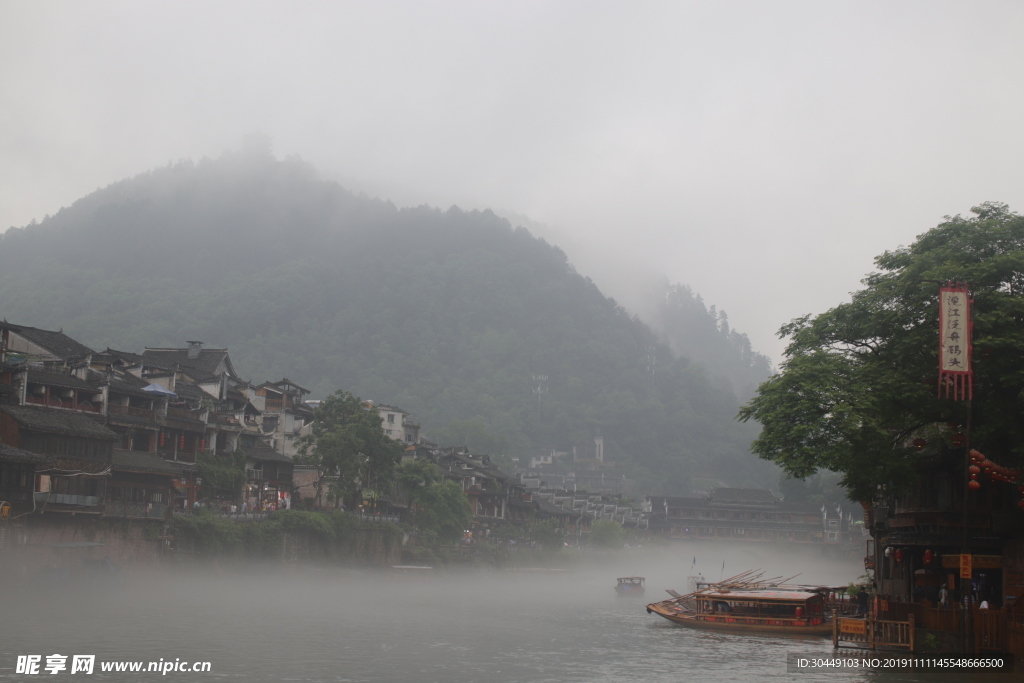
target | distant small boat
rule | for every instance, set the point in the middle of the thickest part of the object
(630, 585)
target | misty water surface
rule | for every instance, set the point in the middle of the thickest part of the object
(274, 623)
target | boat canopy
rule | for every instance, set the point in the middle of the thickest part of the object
(760, 595)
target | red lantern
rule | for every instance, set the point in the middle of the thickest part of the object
(920, 443)
(202, 444)
(959, 439)
(928, 556)
(1021, 503)
(974, 485)
(1020, 489)
(181, 441)
(163, 439)
(899, 555)
(974, 469)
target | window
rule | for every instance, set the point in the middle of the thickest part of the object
(833, 522)
(833, 535)
(391, 418)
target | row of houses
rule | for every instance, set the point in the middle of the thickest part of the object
(119, 434)
(751, 515)
(582, 467)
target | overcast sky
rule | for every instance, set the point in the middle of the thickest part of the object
(761, 152)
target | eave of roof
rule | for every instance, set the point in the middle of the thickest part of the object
(55, 421)
(64, 381)
(57, 343)
(147, 463)
(265, 455)
(12, 454)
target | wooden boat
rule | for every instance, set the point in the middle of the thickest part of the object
(630, 585)
(743, 605)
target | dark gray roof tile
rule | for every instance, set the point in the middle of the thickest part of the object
(205, 364)
(726, 495)
(265, 455)
(57, 343)
(12, 454)
(55, 421)
(134, 461)
(55, 380)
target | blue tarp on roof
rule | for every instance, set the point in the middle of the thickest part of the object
(159, 390)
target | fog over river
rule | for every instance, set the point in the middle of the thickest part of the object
(322, 623)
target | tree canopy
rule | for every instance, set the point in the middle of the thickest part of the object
(348, 446)
(859, 382)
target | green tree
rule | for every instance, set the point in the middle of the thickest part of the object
(442, 507)
(348, 446)
(415, 477)
(607, 533)
(547, 534)
(223, 475)
(859, 381)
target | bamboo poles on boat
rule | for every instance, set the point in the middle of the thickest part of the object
(748, 580)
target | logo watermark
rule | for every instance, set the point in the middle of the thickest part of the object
(86, 664)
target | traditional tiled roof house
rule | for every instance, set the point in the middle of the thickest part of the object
(735, 514)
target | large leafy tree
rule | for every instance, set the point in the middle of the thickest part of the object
(443, 508)
(348, 446)
(859, 381)
(439, 505)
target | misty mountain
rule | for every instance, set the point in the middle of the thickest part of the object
(702, 333)
(451, 315)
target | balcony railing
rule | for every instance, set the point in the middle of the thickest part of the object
(65, 499)
(184, 414)
(130, 411)
(54, 402)
(365, 517)
(274, 404)
(140, 510)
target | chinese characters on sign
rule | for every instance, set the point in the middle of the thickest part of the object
(966, 566)
(955, 329)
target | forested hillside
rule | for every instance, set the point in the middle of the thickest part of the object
(448, 314)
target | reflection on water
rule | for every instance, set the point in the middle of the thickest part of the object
(328, 624)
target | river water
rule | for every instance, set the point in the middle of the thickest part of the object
(273, 623)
